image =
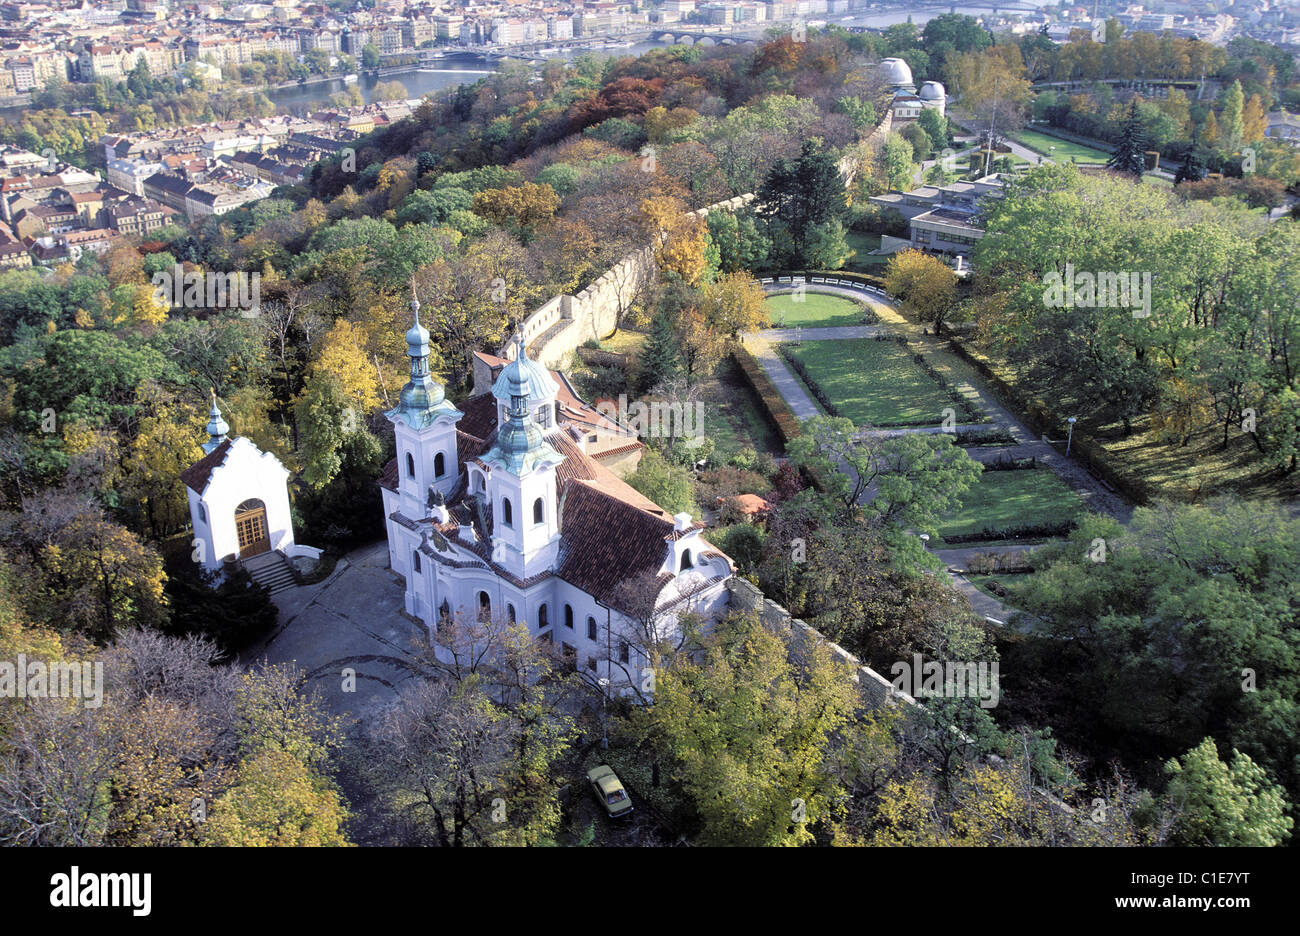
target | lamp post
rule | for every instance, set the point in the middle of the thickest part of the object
(1070, 438)
(1051, 152)
(604, 696)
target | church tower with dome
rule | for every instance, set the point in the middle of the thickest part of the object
(504, 509)
(424, 425)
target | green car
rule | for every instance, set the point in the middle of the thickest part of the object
(609, 790)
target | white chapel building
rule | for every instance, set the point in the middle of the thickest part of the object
(239, 499)
(503, 510)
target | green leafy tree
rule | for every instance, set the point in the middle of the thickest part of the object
(1224, 804)
(747, 732)
(666, 484)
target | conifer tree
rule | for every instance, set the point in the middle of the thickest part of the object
(1130, 152)
(1192, 169)
(660, 358)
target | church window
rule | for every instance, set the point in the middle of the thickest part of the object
(568, 616)
(539, 511)
(543, 618)
(686, 561)
(203, 514)
(591, 628)
(484, 606)
(410, 465)
(623, 653)
(506, 512)
(510, 613)
(557, 413)
(415, 561)
(439, 465)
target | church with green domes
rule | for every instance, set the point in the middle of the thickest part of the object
(505, 509)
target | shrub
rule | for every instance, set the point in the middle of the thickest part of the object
(774, 405)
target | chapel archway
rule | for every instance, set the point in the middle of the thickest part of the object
(250, 524)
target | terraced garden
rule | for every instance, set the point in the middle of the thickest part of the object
(1003, 501)
(874, 382)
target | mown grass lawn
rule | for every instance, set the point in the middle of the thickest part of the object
(1005, 499)
(874, 382)
(815, 310)
(1064, 151)
(863, 260)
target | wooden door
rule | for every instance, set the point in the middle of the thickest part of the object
(250, 523)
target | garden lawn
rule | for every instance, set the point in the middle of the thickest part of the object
(814, 311)
(874, 382)
(1064, 148)
(1005, 499)
(863, 260)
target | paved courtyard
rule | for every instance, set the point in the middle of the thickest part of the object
(351, 621)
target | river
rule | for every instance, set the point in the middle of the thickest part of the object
(465, 68)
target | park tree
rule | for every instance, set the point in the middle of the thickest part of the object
(924, 283)
(797, 197)
(526, 205)
(917, 476)
(660, 357)
(1232, 118)
(732, 304)
(896, 156)
(993, 87)
(668, 485)
(1224, 804)
(1130, 154)
(331, 431)
(746, 731)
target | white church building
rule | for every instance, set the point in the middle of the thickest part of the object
(239, 500)
(504, 510)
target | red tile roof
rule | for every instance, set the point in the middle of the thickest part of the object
(197, 475)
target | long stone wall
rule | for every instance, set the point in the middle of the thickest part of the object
(875, 690)
(562, 323)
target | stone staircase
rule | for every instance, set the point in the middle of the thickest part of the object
(272, 570)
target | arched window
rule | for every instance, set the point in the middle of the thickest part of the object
(543, 619)
(686, 561)
(591, 628)
(444, 611)
(510, 613)
(568, 616)
(410, 465)
(484, 606)
(539, 511)
(439, 465)
(415, 561)
(557, 412)
(506, 513)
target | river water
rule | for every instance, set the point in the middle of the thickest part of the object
(466, 68)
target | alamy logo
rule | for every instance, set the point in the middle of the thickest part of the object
(103, 890)
(40, 680)
(196, 290)
(950, 680)
(657, 420)
(1105, 290)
